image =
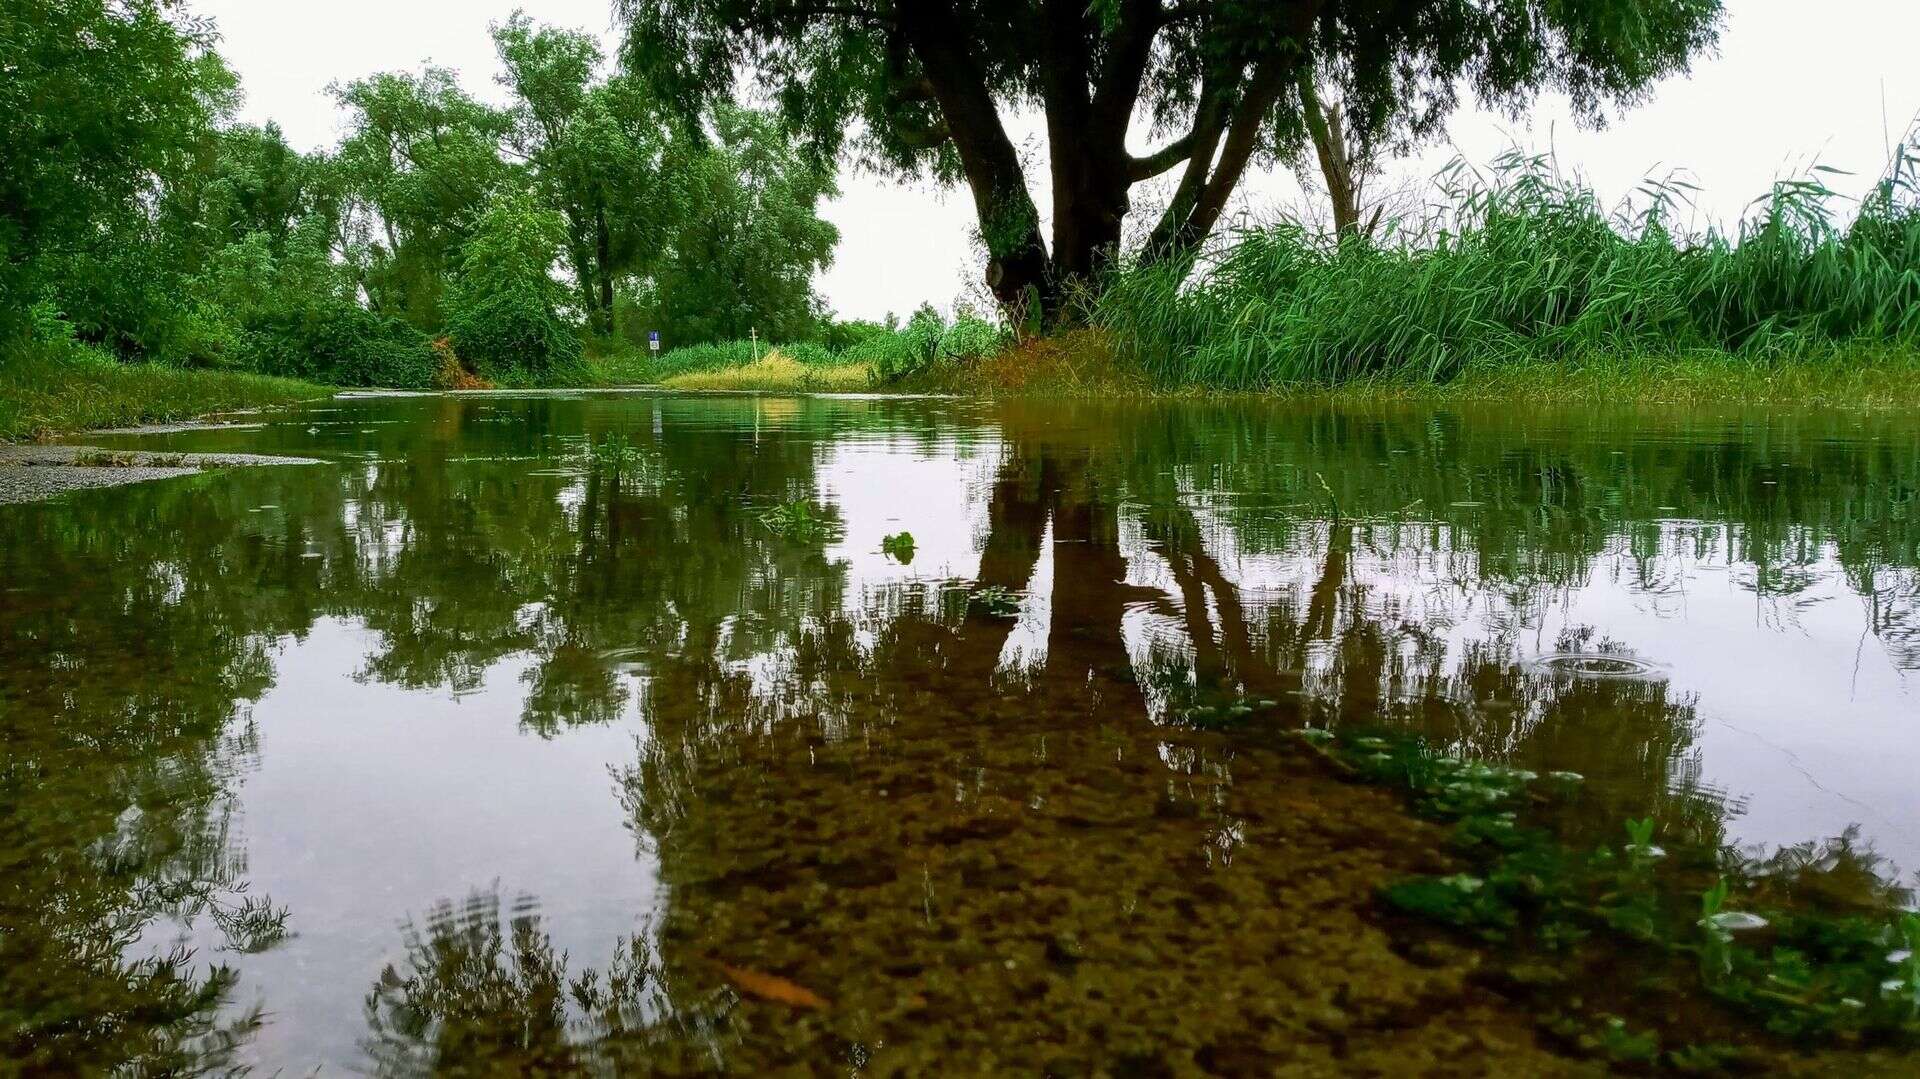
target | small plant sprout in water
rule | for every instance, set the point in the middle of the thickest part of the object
(797, 521)
(898, 547)
(1640, 846)
(996, 600)
(612, 454)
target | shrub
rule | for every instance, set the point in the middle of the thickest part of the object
(503, 310)
(339, 343)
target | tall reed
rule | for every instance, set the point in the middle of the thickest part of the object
(1527, 267)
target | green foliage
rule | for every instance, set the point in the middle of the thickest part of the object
(341, 344)
(599, 150)
(104, 101)
(421, 162)
(996, 601)
(148, 227)
(799, 522)
(898, 547)
(922, 88)
(1527, 268)
(890, 353)
(741, 258)
(1807, 975)
(56, 385)
(924, 341)
(504, 308)
(838, 335)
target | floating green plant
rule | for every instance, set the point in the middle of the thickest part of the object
(1223, 715)
(613, 453)
(797, 521)
(899, 547)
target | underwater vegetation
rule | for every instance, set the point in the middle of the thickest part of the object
(1741, 950)
(799, 522)
(995, 600)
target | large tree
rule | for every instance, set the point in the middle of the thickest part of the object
(101, 101)
(597, 147)
(1216, 84)
(421, 162)
(748, 238)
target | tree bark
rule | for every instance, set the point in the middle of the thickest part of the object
(1327, 129)
(1017, 269)
(603, 250)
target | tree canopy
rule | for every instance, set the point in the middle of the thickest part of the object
(920, 88)
(138, 218)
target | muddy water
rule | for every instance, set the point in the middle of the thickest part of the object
(463, 749)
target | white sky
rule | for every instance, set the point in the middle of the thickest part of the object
(1790, 86)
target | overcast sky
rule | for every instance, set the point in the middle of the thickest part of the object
(1794, 84)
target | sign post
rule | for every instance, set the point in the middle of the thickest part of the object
(653, 340)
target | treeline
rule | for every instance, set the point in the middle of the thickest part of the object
(441, 239)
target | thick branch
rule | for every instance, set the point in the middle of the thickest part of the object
(1017, 256)
(1127, 56)
(1159, 161)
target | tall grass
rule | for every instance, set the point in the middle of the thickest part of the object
(1527, 267)
(50, 387)
(888, 354)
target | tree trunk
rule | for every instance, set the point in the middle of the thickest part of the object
(1327, 128)
(1017, 269)
(603, 250)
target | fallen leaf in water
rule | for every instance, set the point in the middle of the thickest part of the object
(772, 987)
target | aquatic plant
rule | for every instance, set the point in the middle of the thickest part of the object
(612, 452)
(797, 521)
(996, 600)
(1223, 715)
(899, 547)
(1808, 977)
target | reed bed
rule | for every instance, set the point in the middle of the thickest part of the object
(1528, 268)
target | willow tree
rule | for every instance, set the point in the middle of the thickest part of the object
(1209, 87)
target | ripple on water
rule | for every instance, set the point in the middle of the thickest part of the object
(1599, 665)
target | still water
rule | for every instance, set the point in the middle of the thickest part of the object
(464, 749)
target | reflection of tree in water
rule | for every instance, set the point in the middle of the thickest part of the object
(474, 998)
(123, 746)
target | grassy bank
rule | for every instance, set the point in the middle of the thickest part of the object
(1085, 364)
(51, 389)
(776, 372)
(1528, 271)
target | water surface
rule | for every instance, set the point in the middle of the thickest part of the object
(559, 763)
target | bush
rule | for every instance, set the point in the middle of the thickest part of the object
(839, 336)
(503, 311)
(341, 344)
(924, 341)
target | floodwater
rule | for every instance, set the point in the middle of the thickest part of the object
(465, 750)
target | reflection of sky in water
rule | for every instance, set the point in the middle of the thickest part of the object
(371, 803)
(370, 800)
(1809, 724)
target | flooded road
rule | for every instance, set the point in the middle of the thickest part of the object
(691, 733)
